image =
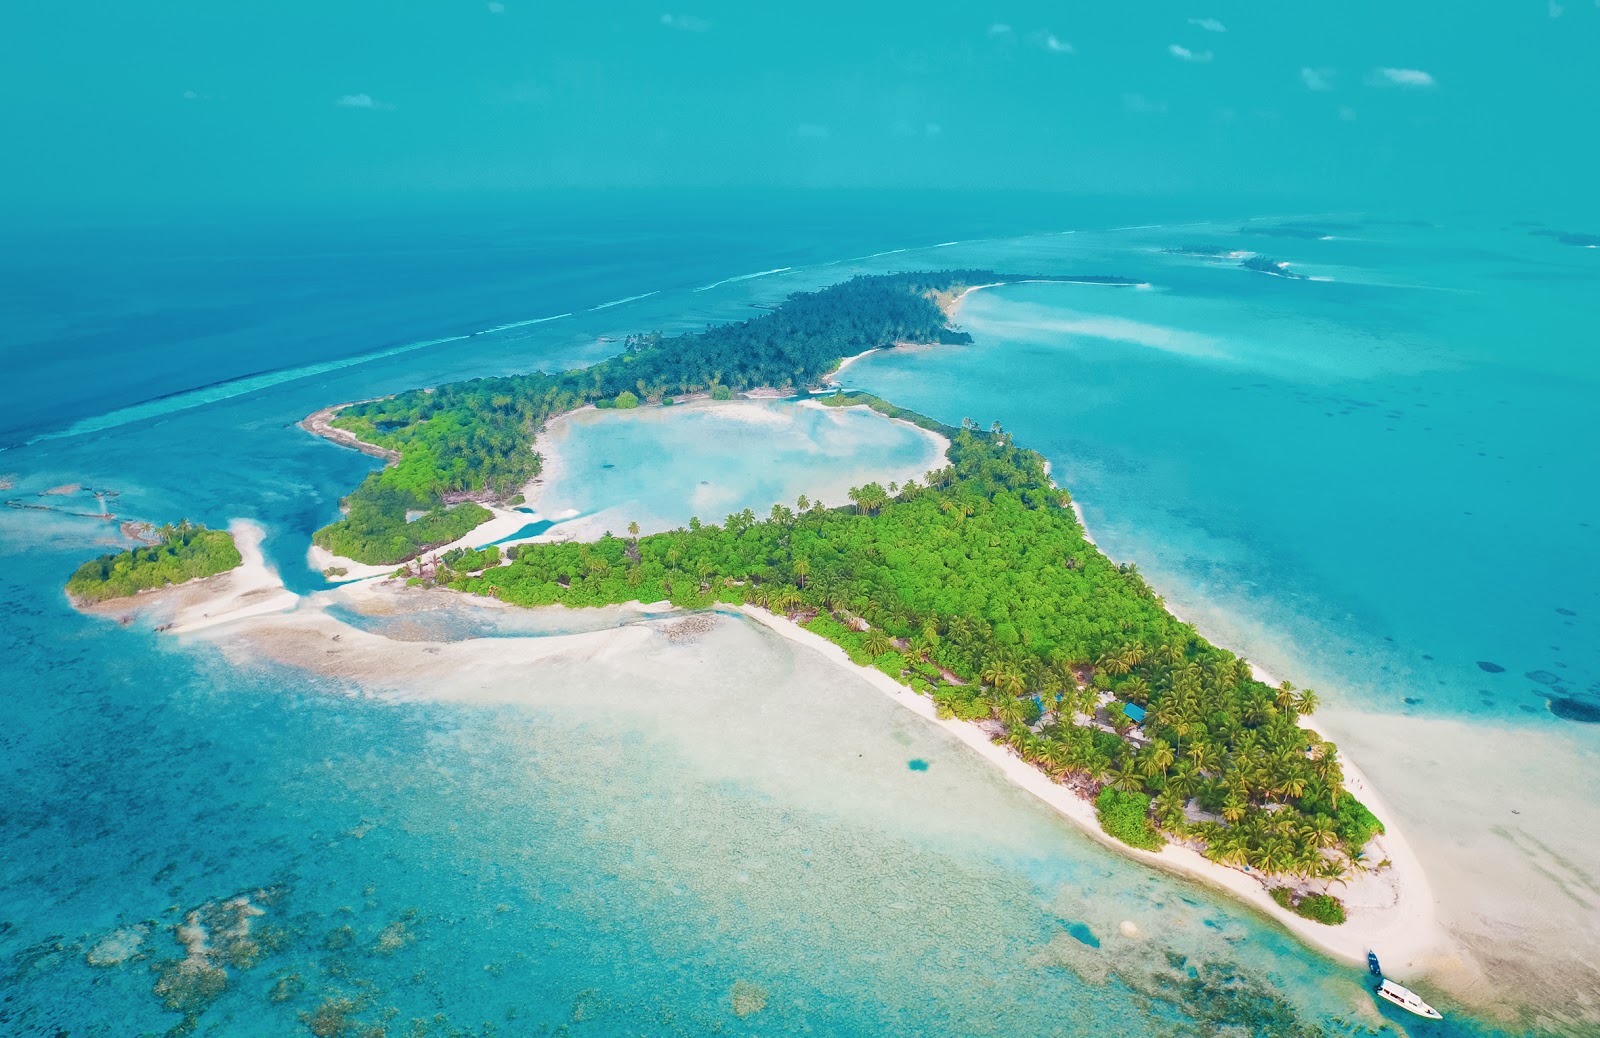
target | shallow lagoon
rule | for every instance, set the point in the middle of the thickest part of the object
(662, 466)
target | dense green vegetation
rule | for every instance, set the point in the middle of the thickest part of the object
(375, 528)
(475, 439)
(1126, 815)
(187, 551)
(1321, 908)
(977, 587)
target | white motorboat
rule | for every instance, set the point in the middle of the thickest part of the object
(1407, 999)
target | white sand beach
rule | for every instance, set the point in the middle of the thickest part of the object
(251, 588)
(1394, 911)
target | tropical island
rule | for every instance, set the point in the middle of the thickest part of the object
(184, 551)
(976, 587)
(1277, 268)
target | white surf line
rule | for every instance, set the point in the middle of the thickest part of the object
(520, 324)
(626, 299)
(219, 391)
(743, 277)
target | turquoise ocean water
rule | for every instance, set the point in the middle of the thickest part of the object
(597, 863)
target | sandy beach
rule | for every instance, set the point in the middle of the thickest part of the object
(1397, 916)
(251, 588)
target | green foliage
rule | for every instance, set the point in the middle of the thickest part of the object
(977, 582)
(1126, 816)
(887, 409)
(963, 702)
(476, 438)
(376, 530)
(1352, 820)
(1321, 908)
(187, 551)
(983, 572)
(472, 560)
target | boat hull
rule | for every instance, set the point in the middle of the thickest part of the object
(1407, 999)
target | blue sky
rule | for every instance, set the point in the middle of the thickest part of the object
(181, 102)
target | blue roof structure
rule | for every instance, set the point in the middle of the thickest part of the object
(1134, 711)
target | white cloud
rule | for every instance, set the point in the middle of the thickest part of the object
(1208, 24)
(685, 22)
(1183, 53)
(811, 131)
(1556, 10)
(496, 7)
(1406, 77)
(1141, 104)
(362, 101)
(1059, 46)
(1317, 78)
(1347, 114)
(1002, 29)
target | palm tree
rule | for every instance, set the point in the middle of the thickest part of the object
(1002, 677)
(1096, 765)
(801, 567)
(1306, 702)
(1158, 758)
(1010, 710)
(1320, 831)
(633, 531)
(1233, 809)
(877, 643)
(1127, 776)
(922, 647)
(1285, 698)
(1112, 664)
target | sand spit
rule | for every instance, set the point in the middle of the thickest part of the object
(472, 669)
(251, 588)
(320, 424)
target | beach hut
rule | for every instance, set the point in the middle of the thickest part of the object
(1134, 711)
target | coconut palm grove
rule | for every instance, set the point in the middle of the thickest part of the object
(975, 586)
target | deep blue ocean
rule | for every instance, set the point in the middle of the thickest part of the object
(1372, 482)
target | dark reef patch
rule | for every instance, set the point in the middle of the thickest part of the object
(1569, 709)
(1543, 677)
(1492, 668)
(1083, 934)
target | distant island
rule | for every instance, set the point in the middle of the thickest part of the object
(1277, 268)
(1212, 251)
(976, 587)
(1582, 241)
(185, 551)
